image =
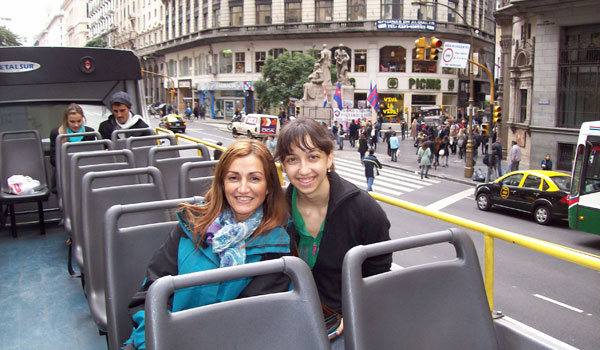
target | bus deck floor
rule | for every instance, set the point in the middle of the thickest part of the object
(41, 306)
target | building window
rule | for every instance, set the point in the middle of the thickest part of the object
(216, 14)
(240, 62)
(324, 10)
(391, 9)
(259, 60)
(452, 11)
(427, 12)
(579, 79)
(185, 66)
(425, 66)
(360, 60)
(392, 59)
(357, 10)
(172, 68)
(276, 52)
(293, 12)
(263, 14)
(523, 103)
(565, 156)
(225, 63)
(236, 16)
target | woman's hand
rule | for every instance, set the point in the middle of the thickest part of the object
(338, 331)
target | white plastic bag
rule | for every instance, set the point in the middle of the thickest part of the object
(22, 185)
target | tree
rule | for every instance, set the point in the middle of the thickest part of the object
(98, 42)
(8, 38)
(283, 78)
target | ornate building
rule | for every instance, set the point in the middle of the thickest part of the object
(550, 75)
(101, 20)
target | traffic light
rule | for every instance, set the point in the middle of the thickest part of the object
(435, 44)
(497, 114)
(297, 111)
(421, 45)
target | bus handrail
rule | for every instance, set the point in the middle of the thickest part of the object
(555, 250)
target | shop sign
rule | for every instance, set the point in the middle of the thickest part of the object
(425, 84)
(185, 84)
(390, 107)
(405, 24)
(343, 115)
(220, 85)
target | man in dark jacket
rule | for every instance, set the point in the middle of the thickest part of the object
(122, 117)
(371, 162)
(354, 126)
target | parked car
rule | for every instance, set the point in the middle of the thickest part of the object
(173, 122)
(543, 193)
(255, 125)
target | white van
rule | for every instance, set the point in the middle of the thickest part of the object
(255, 125)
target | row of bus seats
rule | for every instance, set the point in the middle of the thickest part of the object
(75, 159)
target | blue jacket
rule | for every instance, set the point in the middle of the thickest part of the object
(179, 256)
(394, 142)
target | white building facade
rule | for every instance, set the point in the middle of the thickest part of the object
(76, 23)
(101, 20)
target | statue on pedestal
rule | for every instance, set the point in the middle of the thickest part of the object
(314, 87)
(341, 63)
(325, 62)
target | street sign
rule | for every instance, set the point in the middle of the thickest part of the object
(455, 55)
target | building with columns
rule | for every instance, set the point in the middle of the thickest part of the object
(550, 75)
(213, 48)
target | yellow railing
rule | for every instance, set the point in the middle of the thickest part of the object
(489, 233)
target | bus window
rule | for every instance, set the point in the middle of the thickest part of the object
(592, 171)
(577, 170)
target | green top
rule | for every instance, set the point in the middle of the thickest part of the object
(308, 246)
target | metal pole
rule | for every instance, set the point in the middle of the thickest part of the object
(469, 156)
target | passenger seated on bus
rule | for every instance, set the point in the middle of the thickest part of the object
(330, 215)
(121, 117)
(240, 221)
(73, 121)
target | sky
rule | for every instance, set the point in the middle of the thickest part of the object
(27, 18)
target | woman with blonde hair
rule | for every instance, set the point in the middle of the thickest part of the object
(73, 121)
(240, 221)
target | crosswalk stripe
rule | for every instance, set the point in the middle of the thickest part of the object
(379, 182)
(395, 174)
(387, 176)
(376, 188)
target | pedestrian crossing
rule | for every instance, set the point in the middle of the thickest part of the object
(390, 182)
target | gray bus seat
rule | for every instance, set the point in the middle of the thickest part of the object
(288, 320)
(95, 203)
(81, 164)
(195, 178)
(58, 155)
(64, 181)
(437, 305)
(22, 154)
(119, 137)
(133, 233)
(142, 144)
(161, 158)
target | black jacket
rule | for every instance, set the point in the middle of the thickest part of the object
(353, 218)
(108, 126)
(370, 162)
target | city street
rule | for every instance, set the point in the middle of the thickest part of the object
(555, 297)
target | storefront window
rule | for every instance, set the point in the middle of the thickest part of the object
(360, 60)
(276, 52)
(391, 9)
(392, 59)
(263, 14)
(240, 62)
(259, 60)
(324, 10)
(423, 66)
(357, 10)
(225, 62)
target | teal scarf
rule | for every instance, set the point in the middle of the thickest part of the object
(75, 138)
(229, 236)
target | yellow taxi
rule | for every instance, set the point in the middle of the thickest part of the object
(544, 193)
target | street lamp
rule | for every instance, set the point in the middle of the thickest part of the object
(469, 155)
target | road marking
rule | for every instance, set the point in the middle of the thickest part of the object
(558, 303)
(442, 203)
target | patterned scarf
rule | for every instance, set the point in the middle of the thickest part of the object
(229, 237)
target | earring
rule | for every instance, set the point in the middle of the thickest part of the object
(328, 170)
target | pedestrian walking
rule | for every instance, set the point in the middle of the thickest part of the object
(353, 131)
(424, 159)
(362, 146)
(444, 151)
(413, 129)
(497, 152)
(394, 146)
(372, 165)
(547, 163)
(515, 156)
